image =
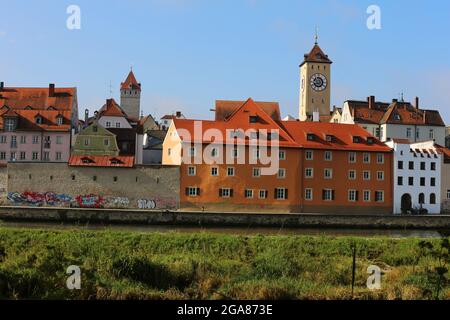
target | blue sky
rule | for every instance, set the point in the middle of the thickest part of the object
(188, 53)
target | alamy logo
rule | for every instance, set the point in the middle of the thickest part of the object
(74, 19)
(374, 20)
(74, 280)
(374, 280)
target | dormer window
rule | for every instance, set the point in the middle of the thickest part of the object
(310, 137)
(116, 161)
(38, 120)
(397, 117)
(370, 140)
(10, 124)
(87, 160)
(254, 119)
(329, 138)
(59, 120)
(356, 139)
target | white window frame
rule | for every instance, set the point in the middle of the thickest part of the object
(262, 194)
(306, 173)
(192, 171)
(380, 155)
(354, 174)
(228, 191)
(192, 192)
(382, 196)
(281, 173)
(330, 171)
(368, 177)
(280, 191)
(380, 175)
(309, 155)
(328, 156)
(366, 157)
(249, 193)
(309, 195)
(328, 195)
(352, 195)
(214, 171)
(366, 195)
(352, 157)
(256, 170)
(228, 172)
(282, 155)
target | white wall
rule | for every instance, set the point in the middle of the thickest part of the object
(399, 131)
(123, 122)
(402, 153)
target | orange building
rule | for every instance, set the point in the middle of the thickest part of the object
(250, 160)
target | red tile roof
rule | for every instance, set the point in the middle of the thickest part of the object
(27, 119)
(292, 133)
(37, 98)
(316, 55)
(343, 135)
(102, 161)
(130, 83)
(225, 108)
(112, 109)
(395, 113)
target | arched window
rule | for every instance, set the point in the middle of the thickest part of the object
(432, 198)
(421, 198)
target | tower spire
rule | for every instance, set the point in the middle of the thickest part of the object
(316, 37)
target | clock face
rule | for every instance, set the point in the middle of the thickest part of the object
(318, 82)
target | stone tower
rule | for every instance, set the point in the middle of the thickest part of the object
(130, 96)
(315, 84)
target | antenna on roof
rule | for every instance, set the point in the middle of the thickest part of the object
(316, 37)
(110, 89)
(401, 97)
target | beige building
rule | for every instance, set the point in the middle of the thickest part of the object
(315, 86)
(395, 120)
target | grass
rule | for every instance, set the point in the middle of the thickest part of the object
(119, 265)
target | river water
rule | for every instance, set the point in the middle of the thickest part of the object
(230, 230)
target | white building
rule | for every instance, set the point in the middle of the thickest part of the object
(166, 121)
(417, 176)
(397, 120)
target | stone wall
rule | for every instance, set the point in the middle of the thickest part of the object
(59, 185)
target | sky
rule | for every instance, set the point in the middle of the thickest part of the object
(189, 53)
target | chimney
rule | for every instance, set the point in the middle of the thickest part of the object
(2, 86)
(178, 114)
(86, 117)
(51, 90)
(371, 101)
(417, 105)
(394, 100)
(424, 117)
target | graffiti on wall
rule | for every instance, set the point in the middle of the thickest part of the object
(89, 201)
(117, 202)
(146, 204)
(157, 203)
(39, 198)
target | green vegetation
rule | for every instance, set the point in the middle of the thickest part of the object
(119, 265)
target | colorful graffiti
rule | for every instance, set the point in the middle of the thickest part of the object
(39, 198)
(89, 201)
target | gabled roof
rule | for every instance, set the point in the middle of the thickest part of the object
(38, 98)
(130, 83)
(239, 120)
(316, 55)
(225, 108)
(112, 109)
(102, 161)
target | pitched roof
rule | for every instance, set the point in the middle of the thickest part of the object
(343, 135)
(292, 133)
(225, 108)
(239, 120)
(102, 161)
(130, 83)
(397, 112)
(445, 151)
(38, 98)
(27, 119)
(316, 55)
(111, 109)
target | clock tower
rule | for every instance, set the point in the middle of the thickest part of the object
(315, 84)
